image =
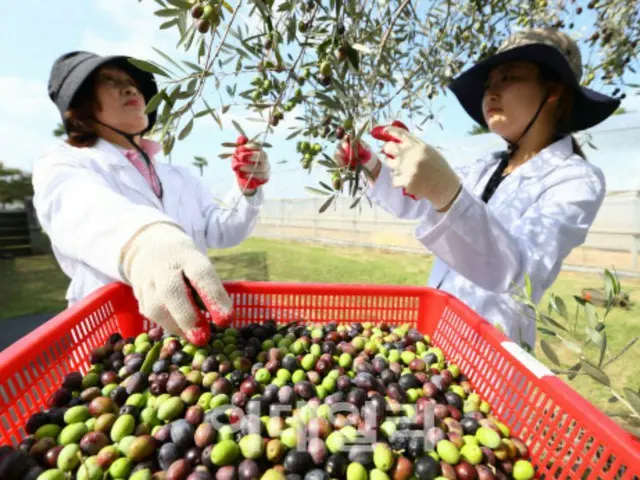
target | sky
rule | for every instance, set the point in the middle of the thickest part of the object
(30, 44)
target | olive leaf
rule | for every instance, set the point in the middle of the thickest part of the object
(325, 186)
(316, 191)
(546, 331)
(527, 286)
(326, 204)
(633, 398)
(167, 57)
(154, 102)
(549, 352)
(570, 345)
(148, 67)
(594, 336)
(186, 130)
(167, 12)
(560, 307)
(595, 373)
(603, 349)
(592, 315)
(574, 369)
(183, 4)
(609, 285)
(169, 23)
(547, 319)
(238, 128)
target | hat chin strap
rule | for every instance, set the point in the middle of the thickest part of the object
(131, 139)
(513, 146)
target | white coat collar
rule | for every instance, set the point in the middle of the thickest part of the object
(114, 154)
(549, 157)
(113, 158)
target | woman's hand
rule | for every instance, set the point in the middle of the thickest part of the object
(349, 155)
(162, 263)
(251, 166)
(418, 167)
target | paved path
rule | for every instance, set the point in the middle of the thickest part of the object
(13, 329)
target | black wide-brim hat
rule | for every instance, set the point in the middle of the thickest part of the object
(72, 69)
(550, 49)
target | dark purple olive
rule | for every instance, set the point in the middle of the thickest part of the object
(336, 465)
(305, 390)
(249, 470)
(286, 396)
(362, 454)
(317, 474)
(60, 398)
(469, 425)
(136, 383)
(409, 381)
(357, 397)
(297, 462)
(438, 381)
(270, 393)
(36, 421)
(194, 456)
(73, 381)
(396, 392)
(364, 380)
(163, 434)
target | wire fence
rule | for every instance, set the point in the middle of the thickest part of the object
(613, 241)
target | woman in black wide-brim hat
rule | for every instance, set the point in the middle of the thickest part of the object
(114, 213)
(512, 214)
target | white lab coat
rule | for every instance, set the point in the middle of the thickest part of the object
(538, 214)
(90, 201)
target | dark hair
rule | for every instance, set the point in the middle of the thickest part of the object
(565, 108)
(78, 119)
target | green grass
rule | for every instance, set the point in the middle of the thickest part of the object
(36, 285)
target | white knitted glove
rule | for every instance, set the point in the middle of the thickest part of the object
(418, 167)
(157, 262)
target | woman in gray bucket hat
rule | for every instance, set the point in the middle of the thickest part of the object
(115, 213)
(512, 214)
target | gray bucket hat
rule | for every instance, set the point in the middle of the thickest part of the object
(550, 49)
(71, 70)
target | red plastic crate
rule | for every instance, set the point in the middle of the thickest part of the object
(568, 437)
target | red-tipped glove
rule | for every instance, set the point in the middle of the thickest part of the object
(250, 164)
(166, 271)
(418, 167)
(380, 134)
(346, 157)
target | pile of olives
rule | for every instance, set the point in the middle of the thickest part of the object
(268, 402)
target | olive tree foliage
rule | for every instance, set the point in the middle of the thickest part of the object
(340, 67)
(575, 342)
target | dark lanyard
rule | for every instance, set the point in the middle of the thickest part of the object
(496, 178)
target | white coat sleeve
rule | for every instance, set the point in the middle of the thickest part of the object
(474, 242)
(231, 220)
(391, 198)
(84, 218)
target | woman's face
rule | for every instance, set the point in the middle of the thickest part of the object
(120, 103)
(512, 96)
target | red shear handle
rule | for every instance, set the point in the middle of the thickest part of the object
(380, 134)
